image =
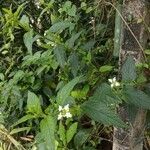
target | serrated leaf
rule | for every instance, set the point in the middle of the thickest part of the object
(104, 94)
(80, 138)
(47, 127)
(60, 26)
(60, 55)
(71, 132)
(137, 97)
(71, 41)
(128, 70)
(18, 76)
(74, 64)
(65, 91)
(99, 112)
(33, 104)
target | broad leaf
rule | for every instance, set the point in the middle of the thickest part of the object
(65, 91)
(60, 26)
(71, 132)
(137, 97)
(128, 70)
(80, 138)
(47, 127)
(104, 94)
(99, 112)
(60, 55)
(33, 104)
(70, 43)
(74, 64)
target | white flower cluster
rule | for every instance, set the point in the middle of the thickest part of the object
(114, 82)
(64, 112)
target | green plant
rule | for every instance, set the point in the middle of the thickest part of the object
(56, 59)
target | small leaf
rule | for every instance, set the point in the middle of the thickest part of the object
(33, 104)
(137, 97)
(105, 68)
(147, 51)
(47, 126)
(128, 70)
(2, 76)
(24, 22)
(28, 40)
(71, 131)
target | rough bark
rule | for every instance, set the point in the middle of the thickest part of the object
(134, 38)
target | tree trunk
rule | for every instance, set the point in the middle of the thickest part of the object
(133, 40)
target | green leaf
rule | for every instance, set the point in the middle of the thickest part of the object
(128, 70)
(80, 138)
(71, 131)
(62, 133)
(18, 76)
(33, 104)
(106, 68)
(99, 112)
(60, 55)
(28, 40)
(24, 22)
(74, 64)
(47, 127)
(104, 94)
(2, 76)
(137, 97)
(17, 130)
(72, 11)
(23, 119)
(147, 51)
(70, 43)
(60, 26)
(65, 91)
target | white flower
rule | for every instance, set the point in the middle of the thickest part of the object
(113, 82)
(66, 107)
(64, 112)
(60, 108)
(68, 115)
(60, 116)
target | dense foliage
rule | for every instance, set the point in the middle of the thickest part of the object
(55, 61)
